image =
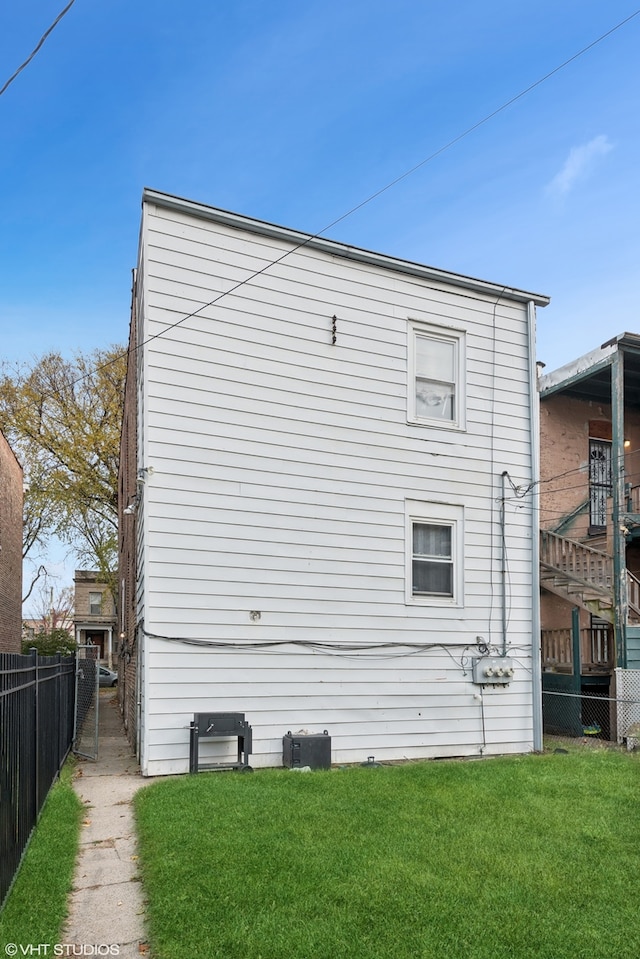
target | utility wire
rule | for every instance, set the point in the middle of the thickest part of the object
(398, 179)
(352, 210)
(39, 44)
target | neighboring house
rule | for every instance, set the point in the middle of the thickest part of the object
(11, 480)
(319, 527)
(95, 614)
(590, 521)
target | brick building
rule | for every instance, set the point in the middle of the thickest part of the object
(10, 549)
(590, 540)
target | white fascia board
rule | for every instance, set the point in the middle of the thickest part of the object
(335, 248)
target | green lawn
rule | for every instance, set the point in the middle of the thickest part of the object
(37, 904)
(535, 856)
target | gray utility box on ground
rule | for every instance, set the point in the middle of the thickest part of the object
(306, 749)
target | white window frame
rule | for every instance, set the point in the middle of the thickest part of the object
(93, 593)
(435, 514)
(457, 338)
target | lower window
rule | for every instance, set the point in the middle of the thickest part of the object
(434, 553)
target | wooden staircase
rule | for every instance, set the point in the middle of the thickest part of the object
(583, 576)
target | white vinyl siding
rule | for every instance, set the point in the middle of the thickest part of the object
(283, 466)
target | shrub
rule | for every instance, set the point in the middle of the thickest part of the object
(51, 642)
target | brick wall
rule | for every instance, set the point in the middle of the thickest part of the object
(10, 550)
(566, 424)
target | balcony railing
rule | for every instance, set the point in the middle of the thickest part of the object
(576, 560)
(596, 650)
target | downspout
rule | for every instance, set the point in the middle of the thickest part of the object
(536, 653)
(619, 543)
(503, 571)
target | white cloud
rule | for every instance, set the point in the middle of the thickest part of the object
(579, 164)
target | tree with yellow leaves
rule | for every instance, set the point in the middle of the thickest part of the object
(62, 417)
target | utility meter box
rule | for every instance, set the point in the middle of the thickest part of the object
(492, 670)
(306, 749)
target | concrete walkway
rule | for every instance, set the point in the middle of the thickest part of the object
(106, 906)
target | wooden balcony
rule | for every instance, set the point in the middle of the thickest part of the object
(596, 650)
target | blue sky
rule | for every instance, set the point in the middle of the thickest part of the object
(294, 113)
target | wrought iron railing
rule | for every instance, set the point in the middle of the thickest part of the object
(36, 732)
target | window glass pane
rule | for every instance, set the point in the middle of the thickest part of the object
(435, 359)
(434, 400)
(95, 604)
(432, 559)
(430, 540)
(435, 378)
(437, 393)
(430, 578)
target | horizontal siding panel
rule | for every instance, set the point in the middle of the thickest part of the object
(223, 580)
(226, 242)
(281, 468)
(350, 419)
(354, 424)
(297, 692)
(203, 490)
(356, 736)
(247, 460)
(168, 721)
(286, 323)
(318, 671)
(227, 341)
(171, 758)
(177, 608)
(346, 729)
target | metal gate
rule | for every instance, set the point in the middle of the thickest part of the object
(85, 733)
(600, 482)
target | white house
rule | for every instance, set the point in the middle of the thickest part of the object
(327, 469)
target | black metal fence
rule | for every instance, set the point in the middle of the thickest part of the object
(36, 733)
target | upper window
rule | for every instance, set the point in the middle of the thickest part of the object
(95, 604)
(434, 554)
(436, 372)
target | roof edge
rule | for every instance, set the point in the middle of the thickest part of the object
(336, 248)
(585, 366)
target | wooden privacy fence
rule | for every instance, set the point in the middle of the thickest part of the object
(36, 733)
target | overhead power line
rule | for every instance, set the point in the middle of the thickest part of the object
(37, 47)
(396, 180)
(373, 196)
